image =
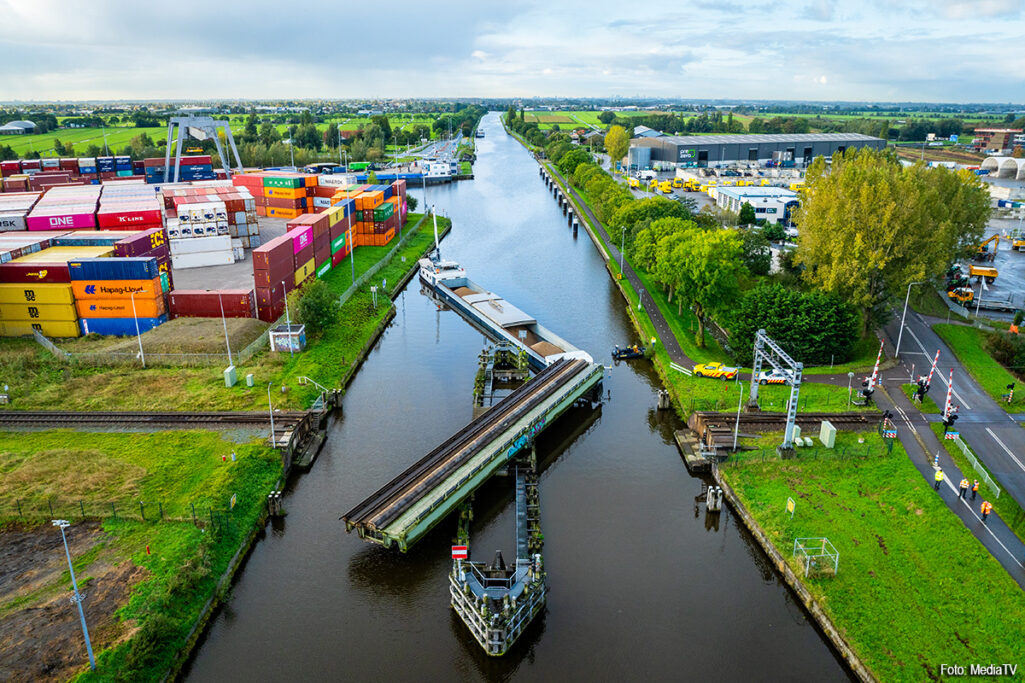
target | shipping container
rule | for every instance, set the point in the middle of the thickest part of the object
(114, 289)
(34, 311)
(338, 243)
(53, 329)
(143, 243)
(231, 303)
(304, 272)
(37, 294)
(302, 257)
(324, 268)
(121, 308)
(202, 259)
(119, 327)
(135, 268)
(213, 243)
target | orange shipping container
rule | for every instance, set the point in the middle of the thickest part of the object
(285, 192)
(121, 308)
(275, 212)
(116, 289)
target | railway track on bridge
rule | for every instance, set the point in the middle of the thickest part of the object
(717, 428)
(68, 418)
(394, 498)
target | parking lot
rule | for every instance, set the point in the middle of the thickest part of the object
(238, 275)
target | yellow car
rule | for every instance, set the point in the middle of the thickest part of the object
(723, 372)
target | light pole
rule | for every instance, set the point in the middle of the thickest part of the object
(270, 409)
(225, 323)
(288, 320)
(622, 246)
(850, 379)
(900, 335)
(137, 333)
(63, 524)
(736, 425)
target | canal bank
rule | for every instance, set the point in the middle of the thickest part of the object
(642, 582)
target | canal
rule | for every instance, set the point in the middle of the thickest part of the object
(642, 584)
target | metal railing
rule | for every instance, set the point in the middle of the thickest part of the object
(857, 452)
(983, 474)
(139, 510)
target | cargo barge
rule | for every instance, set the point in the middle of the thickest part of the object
(498, 319)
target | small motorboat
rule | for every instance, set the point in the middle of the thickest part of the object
(628, 353)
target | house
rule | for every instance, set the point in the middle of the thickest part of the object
(645, 132)
(17, 128)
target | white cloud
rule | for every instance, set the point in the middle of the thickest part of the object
(818, 49)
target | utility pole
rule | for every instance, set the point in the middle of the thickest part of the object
(270, 409)
(224, 322)
(138, 334)
(288, 320)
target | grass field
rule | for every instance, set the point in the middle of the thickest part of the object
(927, 301)
(968, 344)
(117, 138)
(146, 581)
(914, 588)
(40, 381)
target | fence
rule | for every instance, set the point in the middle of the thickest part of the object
(983, 474)
(840, 453)
(35, 510)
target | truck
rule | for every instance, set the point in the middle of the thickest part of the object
(634, 182)
(677, 182)
(987, 272)
(647, 175)
(665, 187)
(999, 302)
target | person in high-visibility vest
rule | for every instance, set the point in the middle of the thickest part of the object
(938, 478)
(987, 507)
(964, 488)
(975, 489)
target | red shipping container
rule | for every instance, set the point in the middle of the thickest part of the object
(34, 272)
(129, 216)
(281, 273)
(145, 242)
(322, 240)
(302, 256)
(269, 313)
(279, 203)
(322, 254)
(197, 303)
(273, 252)
(339, 256)
(270, 295)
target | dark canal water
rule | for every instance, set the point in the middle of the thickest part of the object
(642, 585)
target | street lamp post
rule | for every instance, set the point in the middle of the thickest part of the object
(270, 409)
(736, 425)
(288, 320)
(63, 524)
(138, 334)
(622, 246)
(900, 334)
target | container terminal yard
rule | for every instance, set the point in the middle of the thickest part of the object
(452, 368)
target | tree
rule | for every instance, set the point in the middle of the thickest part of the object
(317, 307)
(1018, 152)
(411, 202)
(510, 115)
(707, 278)
(870, 226)
(570, 160)
(747, 214)
(607, 117)
(383, 122)
(756, 253)
(774, 232)
(269, 133)
(812, 327)
(617, 142)
(372, 178)
(249, 133)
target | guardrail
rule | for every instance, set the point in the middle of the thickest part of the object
(983, 474)
(680, 368)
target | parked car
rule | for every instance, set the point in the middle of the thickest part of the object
(715, 370)
(772, 376)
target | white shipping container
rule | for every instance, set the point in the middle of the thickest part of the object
(322, 202)
(236, 242)
(337, 180)
(239, 253)
(201, 259)
(14, 220)
(201, 244)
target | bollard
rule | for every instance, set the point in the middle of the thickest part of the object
(194, 522)
(81, 506)
(142, 511)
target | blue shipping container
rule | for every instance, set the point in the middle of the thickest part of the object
(138, 268)
(119, 327)
(87, 169)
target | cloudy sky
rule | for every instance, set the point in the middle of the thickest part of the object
(936, 50)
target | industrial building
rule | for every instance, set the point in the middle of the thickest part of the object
(796, 149)
(773, 204)
(995, 139)
(17, 128)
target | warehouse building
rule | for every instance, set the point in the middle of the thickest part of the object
(17, 128)
(773, 204)
(722, 150)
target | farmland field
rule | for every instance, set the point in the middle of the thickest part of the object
(81, 138)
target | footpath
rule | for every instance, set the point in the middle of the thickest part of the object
(919, 441)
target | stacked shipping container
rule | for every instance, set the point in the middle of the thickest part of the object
(118, 296)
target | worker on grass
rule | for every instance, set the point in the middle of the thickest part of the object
(964, 488)
(938, 478)
(975, 489)
(987, 507)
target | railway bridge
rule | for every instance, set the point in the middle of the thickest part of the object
(408, 506)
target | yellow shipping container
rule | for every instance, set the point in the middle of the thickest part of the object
(36, 294)
(38, 312)
(304, 271)
(64, 254)
(50, 328)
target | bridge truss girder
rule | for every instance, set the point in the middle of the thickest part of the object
(770, 352)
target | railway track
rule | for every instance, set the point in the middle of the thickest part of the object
(713, 427)
(68, 418)
(391, 500)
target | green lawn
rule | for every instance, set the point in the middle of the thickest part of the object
(39, 382)
(914, 589)
(81, 138)
(968, 344)
(183, 562)
(927, 301)
(928, 405)
(1006, 506)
